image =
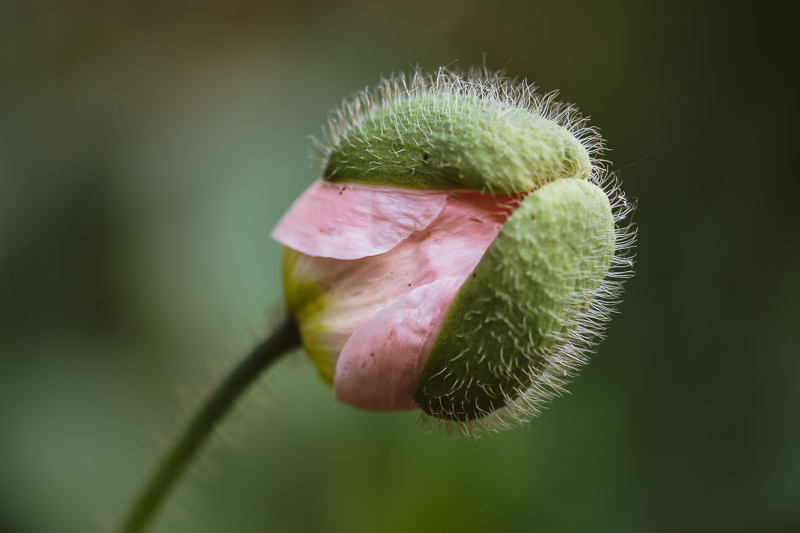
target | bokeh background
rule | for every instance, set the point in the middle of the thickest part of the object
(147, 149)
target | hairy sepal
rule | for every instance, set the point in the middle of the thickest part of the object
(456, 141)
(522, 301)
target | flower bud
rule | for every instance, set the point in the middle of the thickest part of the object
(459, 254)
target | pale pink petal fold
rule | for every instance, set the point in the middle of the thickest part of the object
(350, 222)
(380, 365)
(355, 291)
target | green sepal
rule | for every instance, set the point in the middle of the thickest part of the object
(453, 141)
(501, 331)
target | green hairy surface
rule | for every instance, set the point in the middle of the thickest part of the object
(539, 300)
(511, 320)
(457, 141)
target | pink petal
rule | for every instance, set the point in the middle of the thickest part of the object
(380, 365)
(354, 291)
(351, 222)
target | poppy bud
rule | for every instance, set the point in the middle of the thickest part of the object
(459, 254)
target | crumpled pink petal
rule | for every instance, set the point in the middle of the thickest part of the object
(451, 246)
(348, 222)
(380, 365)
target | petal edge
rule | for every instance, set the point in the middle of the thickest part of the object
(380, 364)
(341, 221)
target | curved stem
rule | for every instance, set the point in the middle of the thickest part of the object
(285, 338)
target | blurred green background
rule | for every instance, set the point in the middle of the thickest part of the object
(147, 149)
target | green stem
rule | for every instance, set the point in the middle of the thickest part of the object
(285, 338)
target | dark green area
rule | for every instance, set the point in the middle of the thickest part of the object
(146, 150)
(155, 494)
